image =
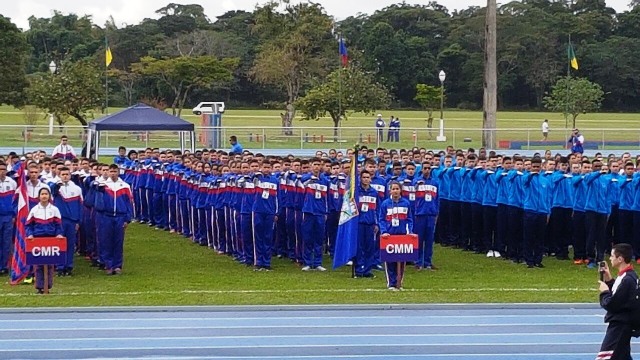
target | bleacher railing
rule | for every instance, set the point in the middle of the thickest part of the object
(300, 137)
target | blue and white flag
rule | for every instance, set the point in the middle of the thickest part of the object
(347, 238)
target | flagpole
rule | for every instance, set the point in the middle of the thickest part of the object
(566, 104)
(340, 66)
(106, 75)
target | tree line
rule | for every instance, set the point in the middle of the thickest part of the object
(286, 57)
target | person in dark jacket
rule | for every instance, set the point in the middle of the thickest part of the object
(618, 298)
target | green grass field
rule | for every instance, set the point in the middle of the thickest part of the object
(167, 269)
(252, 126)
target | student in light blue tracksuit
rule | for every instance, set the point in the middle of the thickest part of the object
(537, 207)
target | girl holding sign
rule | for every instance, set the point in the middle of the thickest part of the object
(396, 218)
(44, 220)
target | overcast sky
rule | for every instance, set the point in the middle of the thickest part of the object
(132, 11)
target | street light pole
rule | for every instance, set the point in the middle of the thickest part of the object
(442, 76)
(52, 67)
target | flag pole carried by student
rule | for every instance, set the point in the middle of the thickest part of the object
(347, 238)
(19, 267)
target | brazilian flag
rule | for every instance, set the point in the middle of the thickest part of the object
(573, 61)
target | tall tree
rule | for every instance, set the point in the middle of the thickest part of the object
(182, 74)
(345, 91)
(297, 47)
(75, 90)
(574, 96)
(13, 62)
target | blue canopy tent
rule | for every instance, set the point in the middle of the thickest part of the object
(140, 117)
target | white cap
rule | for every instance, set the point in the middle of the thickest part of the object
(379, 115)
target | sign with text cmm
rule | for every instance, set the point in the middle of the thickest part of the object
(46, 251)
(399, 248)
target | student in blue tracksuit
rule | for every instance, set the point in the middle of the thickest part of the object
(44, 220)
(502, 201)
(396, 218)
(515, 211)
(314, 209)
(537, 207)
(427, 208)
(625, 216)
(559, 237)
(247, 189)
(466, 210)
(8, 210)
(635, 208)
(121, 158)
(367, 202)
(613, 222)
(578, 224)
(265, 210)
(334, 202)
(491, 241)
(476, 187)
(443, 224)
(597, 209)
(116, 212)
(67, 197)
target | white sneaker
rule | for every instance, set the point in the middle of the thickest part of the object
(320, 268)
(350, 263)
(393, 288)
(496, 254)
(490, 253)
(306, 268)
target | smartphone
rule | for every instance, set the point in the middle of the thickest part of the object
(602, 265)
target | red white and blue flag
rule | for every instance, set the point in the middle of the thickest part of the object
(19, 267)
(344, 56)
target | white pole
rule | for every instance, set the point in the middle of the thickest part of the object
(50, 124)
(88, 154)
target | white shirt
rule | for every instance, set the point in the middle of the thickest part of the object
(63, 149)
(545, 127)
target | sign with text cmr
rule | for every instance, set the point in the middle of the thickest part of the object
(399, 248)
(46, 251)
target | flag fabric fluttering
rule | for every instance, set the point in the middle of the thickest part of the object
(19, 267)
(344, 56)
(108, 57)
(347, 238)
(573, 61)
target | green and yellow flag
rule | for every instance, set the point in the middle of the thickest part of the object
(573, 61)
(108, 57)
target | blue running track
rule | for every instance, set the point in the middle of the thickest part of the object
(376, 332)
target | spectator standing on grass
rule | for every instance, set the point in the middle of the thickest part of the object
(236, 148)
(545, 129)
(63, 150)
(576, 140)
(380, 127)
(391, 129)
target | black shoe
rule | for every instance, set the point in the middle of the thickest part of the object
(69, 272)
(369, 276)
(539, 266)
(61, 273)
(530, 266)
(39, 291)
(95, 263)
(4, 272)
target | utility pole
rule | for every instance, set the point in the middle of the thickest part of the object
(490, 99)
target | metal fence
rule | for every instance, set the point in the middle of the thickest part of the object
(22, 136)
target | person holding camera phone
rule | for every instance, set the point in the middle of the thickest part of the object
(618, 297)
